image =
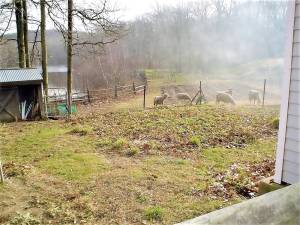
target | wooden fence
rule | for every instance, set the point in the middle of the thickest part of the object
(56, 106)
(113, 93)
(97, 95)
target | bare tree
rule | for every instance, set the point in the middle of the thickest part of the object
(99, 29)
(44, 46)
(19, 7)
(20, 32)
(25, 33)
(69, 54)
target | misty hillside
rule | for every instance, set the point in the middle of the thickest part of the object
(244, 40)
(56, 47)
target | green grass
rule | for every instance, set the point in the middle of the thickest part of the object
(223, 157)
(119, 143)
(275, 123)
(154, 213)
(195, 141)
(78, 167)
(24, 146)
(26, 219)
(82, 131)
(132, 151)
(126, 167)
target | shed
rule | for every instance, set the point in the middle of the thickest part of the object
(287, 168)
(21, 94)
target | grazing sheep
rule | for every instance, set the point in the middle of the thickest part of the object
(183, 96)
(224, 97)
(254, 96)
(229, 91)
(159, 100)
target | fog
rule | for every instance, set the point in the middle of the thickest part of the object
(201, 40)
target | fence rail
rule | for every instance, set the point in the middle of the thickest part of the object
(116, 92)
(57, 103)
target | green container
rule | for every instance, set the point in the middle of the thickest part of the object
(62, 108)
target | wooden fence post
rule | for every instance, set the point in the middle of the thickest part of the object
(68, 106)
(1, 173)
(264, 93)
(116, 91)
(133, 88)
(200, 90)
(88, 95)
(144, 103)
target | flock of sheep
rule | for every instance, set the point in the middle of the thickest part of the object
(221, 96)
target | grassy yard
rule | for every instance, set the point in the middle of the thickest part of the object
(157, 166)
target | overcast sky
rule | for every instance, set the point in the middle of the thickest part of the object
(131, 9)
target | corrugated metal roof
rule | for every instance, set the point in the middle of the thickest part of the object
(20, 75)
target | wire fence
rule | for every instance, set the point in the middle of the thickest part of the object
(56, 102)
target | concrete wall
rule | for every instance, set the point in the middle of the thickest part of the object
(276, 208)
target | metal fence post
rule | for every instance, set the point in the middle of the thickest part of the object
(264, 93)
(144, 104)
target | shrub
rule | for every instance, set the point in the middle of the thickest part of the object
(195, 141)
(120, 143)
(275, 123)
(132, 151)
(27, 219)
(81, 131)
(141, 198)
(154, 213)
(104, 143)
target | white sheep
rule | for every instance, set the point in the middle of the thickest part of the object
(229, 91)
(224, 97)
(159, 100)
(183, 96)
(254, 96)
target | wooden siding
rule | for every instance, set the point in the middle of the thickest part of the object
(290, 178)
(292, 144)
(291, 72)
(291, 160)
(295, 74)
(293, 122)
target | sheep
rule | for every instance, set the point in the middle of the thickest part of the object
(224, 97)
(184, 96)
(254, 96)
(159, 100)
(229, 91)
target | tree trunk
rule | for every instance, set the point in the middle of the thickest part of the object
(44, 48)
(20, 32)
(25, 27)
(69, 55)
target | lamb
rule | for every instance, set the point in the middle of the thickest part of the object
(254, 96)
(224, 97)
(183, 96)
(159, 100)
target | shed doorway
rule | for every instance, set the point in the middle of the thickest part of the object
(9, 104)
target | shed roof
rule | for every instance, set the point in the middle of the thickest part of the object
(20, 75)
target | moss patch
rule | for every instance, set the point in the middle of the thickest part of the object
(78, 167)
